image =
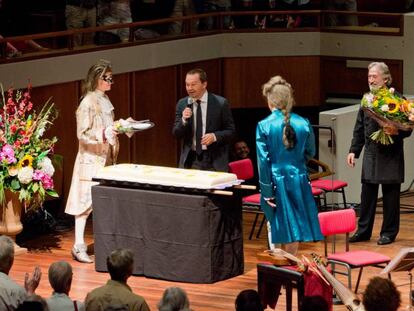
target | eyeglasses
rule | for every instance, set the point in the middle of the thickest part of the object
(108, 79)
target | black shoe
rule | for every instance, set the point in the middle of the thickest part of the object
(358, 238)
(384, 240)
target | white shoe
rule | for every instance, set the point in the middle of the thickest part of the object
(79, 253)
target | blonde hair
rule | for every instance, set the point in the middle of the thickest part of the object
(279, 95)
(95, 73)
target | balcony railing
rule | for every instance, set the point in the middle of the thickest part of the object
(143, 32)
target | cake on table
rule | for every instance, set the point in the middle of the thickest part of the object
(167, 176)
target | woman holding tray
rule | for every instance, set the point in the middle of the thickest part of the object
(98, 147)
(284, 143)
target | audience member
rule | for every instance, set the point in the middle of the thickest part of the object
(381, 294)
(216, 6)
(12, 294)
(81, 14)
(248, 300)
(116, 307)
(115, 12)
(34, 303)
(17, 48)
(294, 20)
(144, 10)
(182, 8)
(116, 291)
(174, 299)
(241, 21)
(240, 150)
(341, 5)
(60, 278)
(314, 303)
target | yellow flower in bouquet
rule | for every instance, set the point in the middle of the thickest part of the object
(25, 155)
(388, 109)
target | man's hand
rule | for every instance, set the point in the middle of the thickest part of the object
(187, 113)
(350, 159)
(390, 130)
(30, 284)
(208, 139)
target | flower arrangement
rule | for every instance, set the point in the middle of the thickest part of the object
(25, 164)
(389, 110)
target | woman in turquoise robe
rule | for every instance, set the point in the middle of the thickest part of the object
(285, 142)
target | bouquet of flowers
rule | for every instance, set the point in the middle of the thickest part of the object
(25, 164)
(389, 110)
(130, 126)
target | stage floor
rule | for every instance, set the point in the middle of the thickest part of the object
(45, 249)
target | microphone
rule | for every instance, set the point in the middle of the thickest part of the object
(189, 105)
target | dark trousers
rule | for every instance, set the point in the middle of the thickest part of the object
(391, 209)
(204, 161)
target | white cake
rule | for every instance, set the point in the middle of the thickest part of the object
(167, 176)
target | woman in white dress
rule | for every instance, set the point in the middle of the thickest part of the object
(98, 147)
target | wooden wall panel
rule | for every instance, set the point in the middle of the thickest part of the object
(120, 96)
(243, 78)
(66, 99)
(338, 79)
(155, 95)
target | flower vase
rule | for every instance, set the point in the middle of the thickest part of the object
(10, 223)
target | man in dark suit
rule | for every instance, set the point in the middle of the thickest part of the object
(204, 147)
(382, 164)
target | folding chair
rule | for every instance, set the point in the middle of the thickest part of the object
(344, 222)
(251, 203)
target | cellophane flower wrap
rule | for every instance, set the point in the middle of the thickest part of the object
(388, 109)
(25, 154)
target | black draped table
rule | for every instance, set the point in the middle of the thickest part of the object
(174, 236)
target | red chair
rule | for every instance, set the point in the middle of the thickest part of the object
(331, 185)
(251, 204)
(344, 222)
(317, 193)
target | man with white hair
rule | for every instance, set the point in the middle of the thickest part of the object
(11, 293)
(382, 165)
(60, 278)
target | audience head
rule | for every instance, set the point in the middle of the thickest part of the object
(314, 303)
(60, 277)
(6, 254)
(248, 300)
(241, 150)
(120, 264)
(378, 76)
(97, 74)
(33, 303)
(174, 299)
(196, 83)
(279, 95)
(381, 294)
